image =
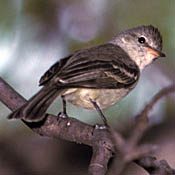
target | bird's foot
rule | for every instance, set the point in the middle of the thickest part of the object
(63, 115)
(101, 127)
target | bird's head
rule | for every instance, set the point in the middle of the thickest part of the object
(143, 44)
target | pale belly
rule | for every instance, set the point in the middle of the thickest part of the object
(103, 97)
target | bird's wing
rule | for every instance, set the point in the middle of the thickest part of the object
(53, 70)
(104, 66)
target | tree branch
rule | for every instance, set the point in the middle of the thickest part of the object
(104, 142)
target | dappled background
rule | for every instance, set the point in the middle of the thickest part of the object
(34, 34)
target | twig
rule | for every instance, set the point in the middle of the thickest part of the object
(155, 167)
(128, 148)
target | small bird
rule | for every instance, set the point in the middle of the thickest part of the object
(96, 77)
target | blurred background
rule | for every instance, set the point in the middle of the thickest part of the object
(34, 34)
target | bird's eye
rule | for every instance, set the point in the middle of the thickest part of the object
(141, 40)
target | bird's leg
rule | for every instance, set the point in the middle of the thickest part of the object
(63, 114)
(106, 125)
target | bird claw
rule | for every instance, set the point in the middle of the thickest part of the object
(62, 115)
(101, 127)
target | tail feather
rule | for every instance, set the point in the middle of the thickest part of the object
(36, 107)
(41, 107)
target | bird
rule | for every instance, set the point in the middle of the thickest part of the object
(96, 77)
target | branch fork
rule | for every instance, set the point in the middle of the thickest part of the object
(104, 142)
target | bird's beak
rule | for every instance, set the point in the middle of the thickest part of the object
(156, 53)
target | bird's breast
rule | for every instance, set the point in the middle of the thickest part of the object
(103, 97)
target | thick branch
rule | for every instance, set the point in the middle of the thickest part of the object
(69, 129)
(102, 142)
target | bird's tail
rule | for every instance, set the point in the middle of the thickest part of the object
(36, 107)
